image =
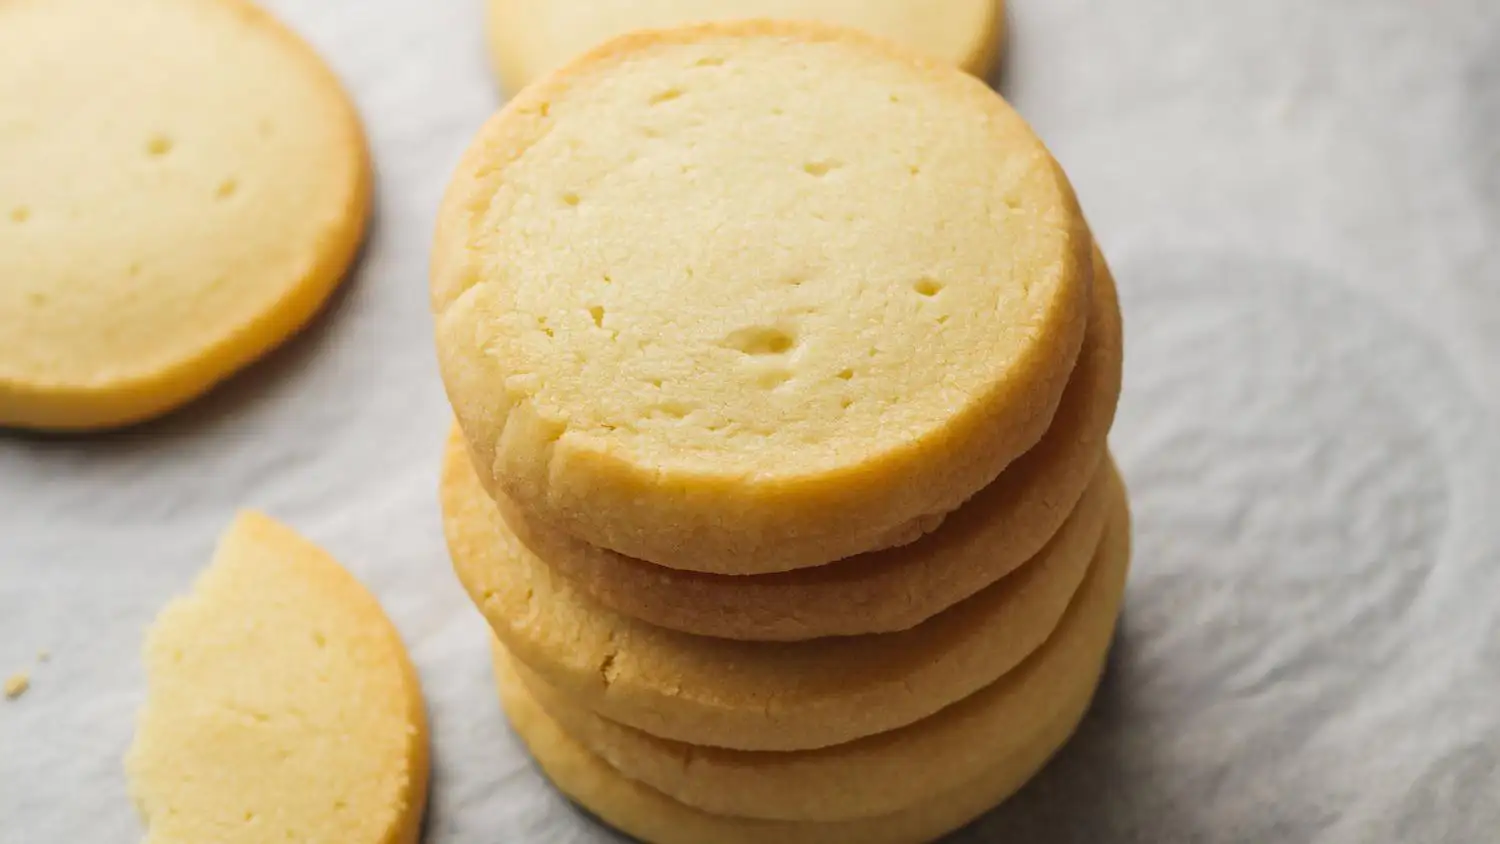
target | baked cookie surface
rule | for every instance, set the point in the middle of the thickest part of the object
(757, 695)
(988, 537)
(182, 184)
(281, 705)
(650, 815)
(528, 38)
(805, 295)
(889, 771)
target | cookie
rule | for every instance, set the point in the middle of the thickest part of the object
(890, 771)
(652, 817)
(280, 705)
(982, 541)
(1006, 732)
(747, 298)
(182, 184)
(528, 38)
(757, 695)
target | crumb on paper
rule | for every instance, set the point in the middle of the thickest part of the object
(16, 685)
(43, 655)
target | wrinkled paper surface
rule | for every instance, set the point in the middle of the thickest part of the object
(1302, 204)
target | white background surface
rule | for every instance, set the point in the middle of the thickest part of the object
(1302, 204)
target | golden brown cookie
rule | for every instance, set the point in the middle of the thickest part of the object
(757, 695)
(182, 185)
(654, 818)
(746, 298)
(890, 771)
(528, 38)
(281, 705)
(982, 541)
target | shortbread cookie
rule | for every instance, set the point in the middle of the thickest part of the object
(528, 38)
(757, 695)
(982, 541)
(890, 771)
(182, 184)
(1040, 729)
(280, 705)
(745, 298)
(652, 817)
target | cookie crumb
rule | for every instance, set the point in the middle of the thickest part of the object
(16, 685)
(43, 655)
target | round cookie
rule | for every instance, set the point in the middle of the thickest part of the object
(997, 530)
(182, 184)
(757, 695)
(746, 298)
(280, 705)
(650, 815)
(653, 818)
(528, 38)
(890, 771)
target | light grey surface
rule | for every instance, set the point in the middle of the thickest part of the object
(1302, 204)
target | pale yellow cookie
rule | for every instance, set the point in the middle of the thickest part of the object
(982, 541)
(652, 817)
(1004, 734)
(281, 705)
(757, 695)
(745, 298)
(882, 773)
(528, 38)
(182, 183)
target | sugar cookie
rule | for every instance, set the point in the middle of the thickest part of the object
(744, 298)
(653, 817)
(281, 705)
(182, 183)
(890, 771)
(982, 541)
(528, 38)
(757, 695)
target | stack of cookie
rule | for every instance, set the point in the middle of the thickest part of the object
(783, 363)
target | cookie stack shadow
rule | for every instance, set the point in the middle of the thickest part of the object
(876, 645)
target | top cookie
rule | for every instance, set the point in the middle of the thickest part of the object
(528, 38)
(745, 298)
(182, 184)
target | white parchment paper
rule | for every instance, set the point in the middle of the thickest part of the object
(1302, 204)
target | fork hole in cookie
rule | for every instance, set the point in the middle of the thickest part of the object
(666, 96)
(928, 287)
(821, 167)
(158, 146)
(758, 340)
